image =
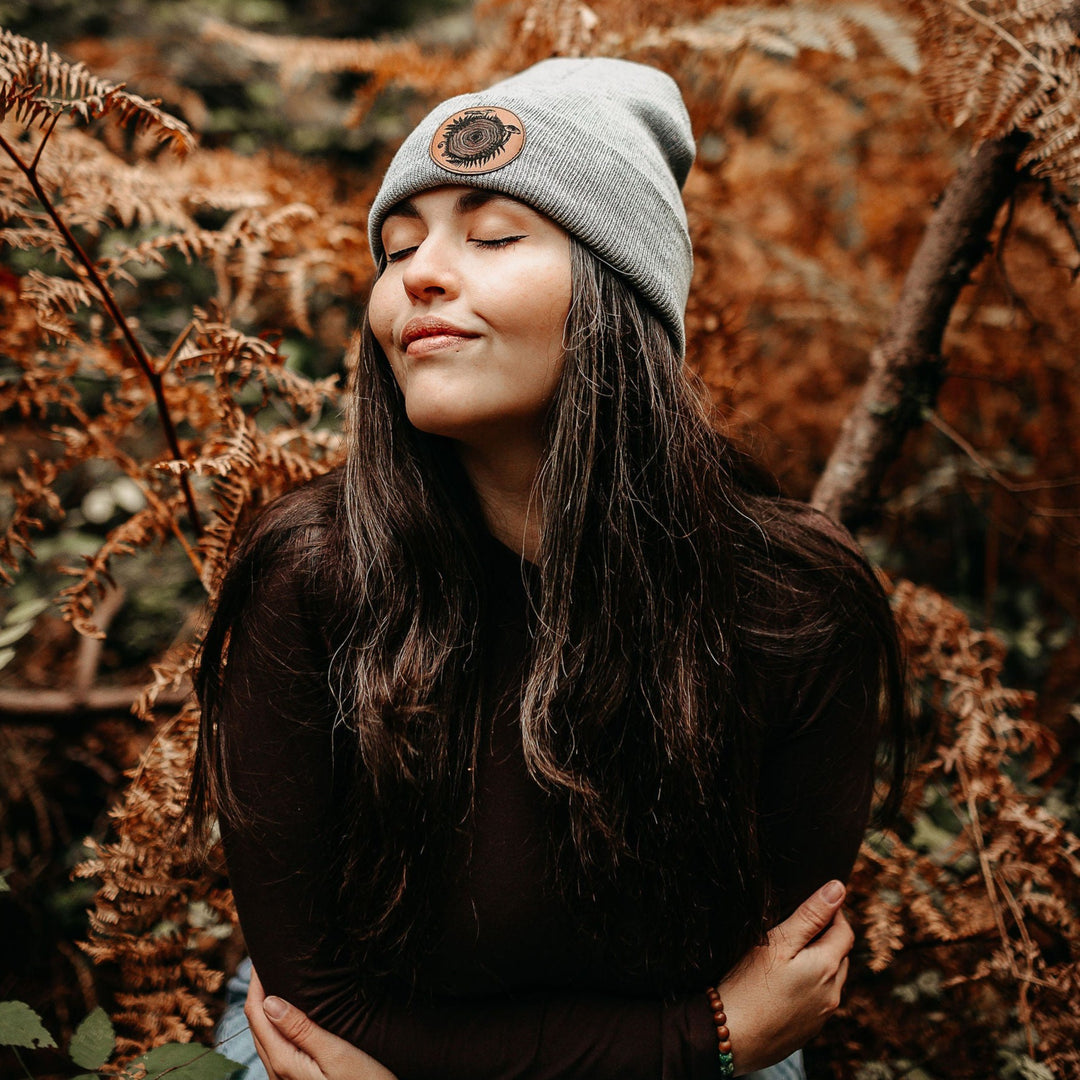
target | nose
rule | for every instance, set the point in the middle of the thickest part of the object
(431, 269)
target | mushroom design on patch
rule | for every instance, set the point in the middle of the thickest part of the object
(477, 140)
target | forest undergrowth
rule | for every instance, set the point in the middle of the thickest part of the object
(176, 314)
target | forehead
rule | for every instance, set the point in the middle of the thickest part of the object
(454, 199)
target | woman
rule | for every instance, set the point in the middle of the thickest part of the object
(526, 726)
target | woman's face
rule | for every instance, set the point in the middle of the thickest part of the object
(470, 312)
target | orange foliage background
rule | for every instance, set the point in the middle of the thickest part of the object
(820, 159)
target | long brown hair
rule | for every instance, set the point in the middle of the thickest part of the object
(674, 588)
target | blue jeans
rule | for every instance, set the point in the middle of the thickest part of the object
(235, 1042)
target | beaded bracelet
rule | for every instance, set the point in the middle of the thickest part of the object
(723, 1035)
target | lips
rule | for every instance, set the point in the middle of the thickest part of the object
(437, 333)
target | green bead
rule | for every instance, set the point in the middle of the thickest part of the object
(727, 1066)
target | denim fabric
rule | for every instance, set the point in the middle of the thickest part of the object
(233, 1036)
(791, 1068)
(235, 1042)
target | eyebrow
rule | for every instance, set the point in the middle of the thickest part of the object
(469, 200)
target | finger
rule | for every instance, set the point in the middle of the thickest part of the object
(833, 946)
(836, 989)
(295, 1025)
(253, 1012)
(255, 993)
(264, 1057)
(839, 938)
(284, 1060)
(811, 917)
(848, 932)
(330, 1055)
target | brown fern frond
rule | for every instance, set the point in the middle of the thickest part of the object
(235, 453)
(142, 528)
(790, 29)
(192, 243)
(233, 497)
(883, 930)
(33, 496)
(236, 359)
(1007, 65)
(144, 919)
(49, 293)
(36, 235)
(171, 672)
(560, 28)
(251, 468)
(36, 85)
(298, 57)
(1010, 872)
(43, 385)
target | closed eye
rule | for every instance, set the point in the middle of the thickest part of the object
(394, 256)
(498, 242)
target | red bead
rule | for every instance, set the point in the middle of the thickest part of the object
(719, 1016)
(722, 1032)
(725, 1047)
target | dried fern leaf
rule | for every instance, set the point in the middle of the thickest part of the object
(786, 31)
(36, 85)
(383, 62)
(1007, 65)
(142, 919)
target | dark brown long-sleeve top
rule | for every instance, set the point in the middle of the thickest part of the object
(512, 991)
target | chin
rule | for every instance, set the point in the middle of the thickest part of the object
(449, 423)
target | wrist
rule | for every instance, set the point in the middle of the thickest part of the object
(724, 1047)
(747, 1054)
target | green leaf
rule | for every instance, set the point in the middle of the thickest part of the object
(10, 634)
(930, 838)
(184, 1061)
(27, 611)
(93, 1042)
(21, 1026)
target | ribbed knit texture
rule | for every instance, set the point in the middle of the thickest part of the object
(607, 149)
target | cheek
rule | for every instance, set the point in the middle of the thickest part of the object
(380, 313)
(539, 307)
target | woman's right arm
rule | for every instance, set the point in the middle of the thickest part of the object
(781, 994)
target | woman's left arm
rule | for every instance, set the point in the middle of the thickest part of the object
(776, 999)
(817, 779)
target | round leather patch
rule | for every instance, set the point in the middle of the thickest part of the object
(479, 140)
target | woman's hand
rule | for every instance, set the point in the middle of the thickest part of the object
(292, 1047)
(782, 993)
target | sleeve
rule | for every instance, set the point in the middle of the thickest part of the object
(543, 1037)
(817, 777)
(287, 776)
(288, 771)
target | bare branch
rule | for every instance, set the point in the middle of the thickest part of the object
(906, 368)
(16, 705)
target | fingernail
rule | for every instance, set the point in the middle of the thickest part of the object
(832, 892)
(275, 1008)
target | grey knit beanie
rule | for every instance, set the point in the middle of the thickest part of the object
(602, 147)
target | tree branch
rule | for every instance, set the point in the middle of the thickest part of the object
(906, 368)
(38, 705)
